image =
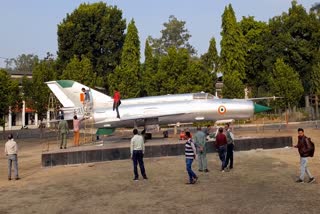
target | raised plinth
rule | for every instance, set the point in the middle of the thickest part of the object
(109, 152)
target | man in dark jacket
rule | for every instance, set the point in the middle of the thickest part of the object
(303, 149)
(221, 144)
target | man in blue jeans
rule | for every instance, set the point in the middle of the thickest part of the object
(221, 145)
(304, 150)
(137, 151)
(191, 154)
(11, 150)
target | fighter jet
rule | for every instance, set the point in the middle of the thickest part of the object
(149, 111)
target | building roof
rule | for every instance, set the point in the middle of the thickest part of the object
(19, 73)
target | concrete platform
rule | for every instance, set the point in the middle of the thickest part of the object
(154, 148)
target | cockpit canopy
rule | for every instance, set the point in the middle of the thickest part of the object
(203, 96)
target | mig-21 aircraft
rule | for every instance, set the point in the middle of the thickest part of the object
(149, 111)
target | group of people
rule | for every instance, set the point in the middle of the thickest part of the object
(85, 100)
(63, 124)
(64, 131)
(195, 148)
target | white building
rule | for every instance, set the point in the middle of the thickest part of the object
(18, 118)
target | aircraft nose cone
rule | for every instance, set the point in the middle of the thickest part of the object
(260, 108)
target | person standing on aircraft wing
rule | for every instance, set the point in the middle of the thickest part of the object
(86, 95)
(221, 143)
(116, 101)
(137, 151)
(63, 130)
(85, 99)
(200, 141)
(230, 146)
(191, 154)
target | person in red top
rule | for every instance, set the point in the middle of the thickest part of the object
(116, 101)
(221, 144)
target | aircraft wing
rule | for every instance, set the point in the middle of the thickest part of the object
(148, 113)
(137, 117)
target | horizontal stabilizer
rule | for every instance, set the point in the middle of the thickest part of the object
(264, 98)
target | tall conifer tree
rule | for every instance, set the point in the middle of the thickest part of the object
(148, 71)
(232, 57)
(232, 44)
(126, 76)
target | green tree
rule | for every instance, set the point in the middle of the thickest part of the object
(210, 61)
(233, 54)
(170, 67)
(9, 96)
(294, 37)
(36, 92)
(285, 83)
(96, 31)
(316, 9)
(80, 71)
(126, 76)
(174, 34)
(211, 58)
(195, 78)
(23, 63)
(315, 79)
(149, 71)
(256, 75)
(233, 87)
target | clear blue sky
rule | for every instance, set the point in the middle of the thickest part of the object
(31, 26)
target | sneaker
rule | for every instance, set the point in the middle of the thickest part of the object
(299, 181)
(311, 180)
(206, 170)
(200, 170)
(192, 182)
(136, 179)
(17, 178)
(145, 177)
(222, 170)
(195, 179)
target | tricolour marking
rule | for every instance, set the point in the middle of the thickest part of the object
(222, 110)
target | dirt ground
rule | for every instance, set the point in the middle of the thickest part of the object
(261, 182)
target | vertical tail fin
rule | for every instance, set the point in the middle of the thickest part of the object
(68, 93)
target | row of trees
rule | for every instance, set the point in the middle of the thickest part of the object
(280, 57)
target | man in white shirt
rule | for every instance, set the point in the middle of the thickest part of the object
(11, 150)
(137, 151)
